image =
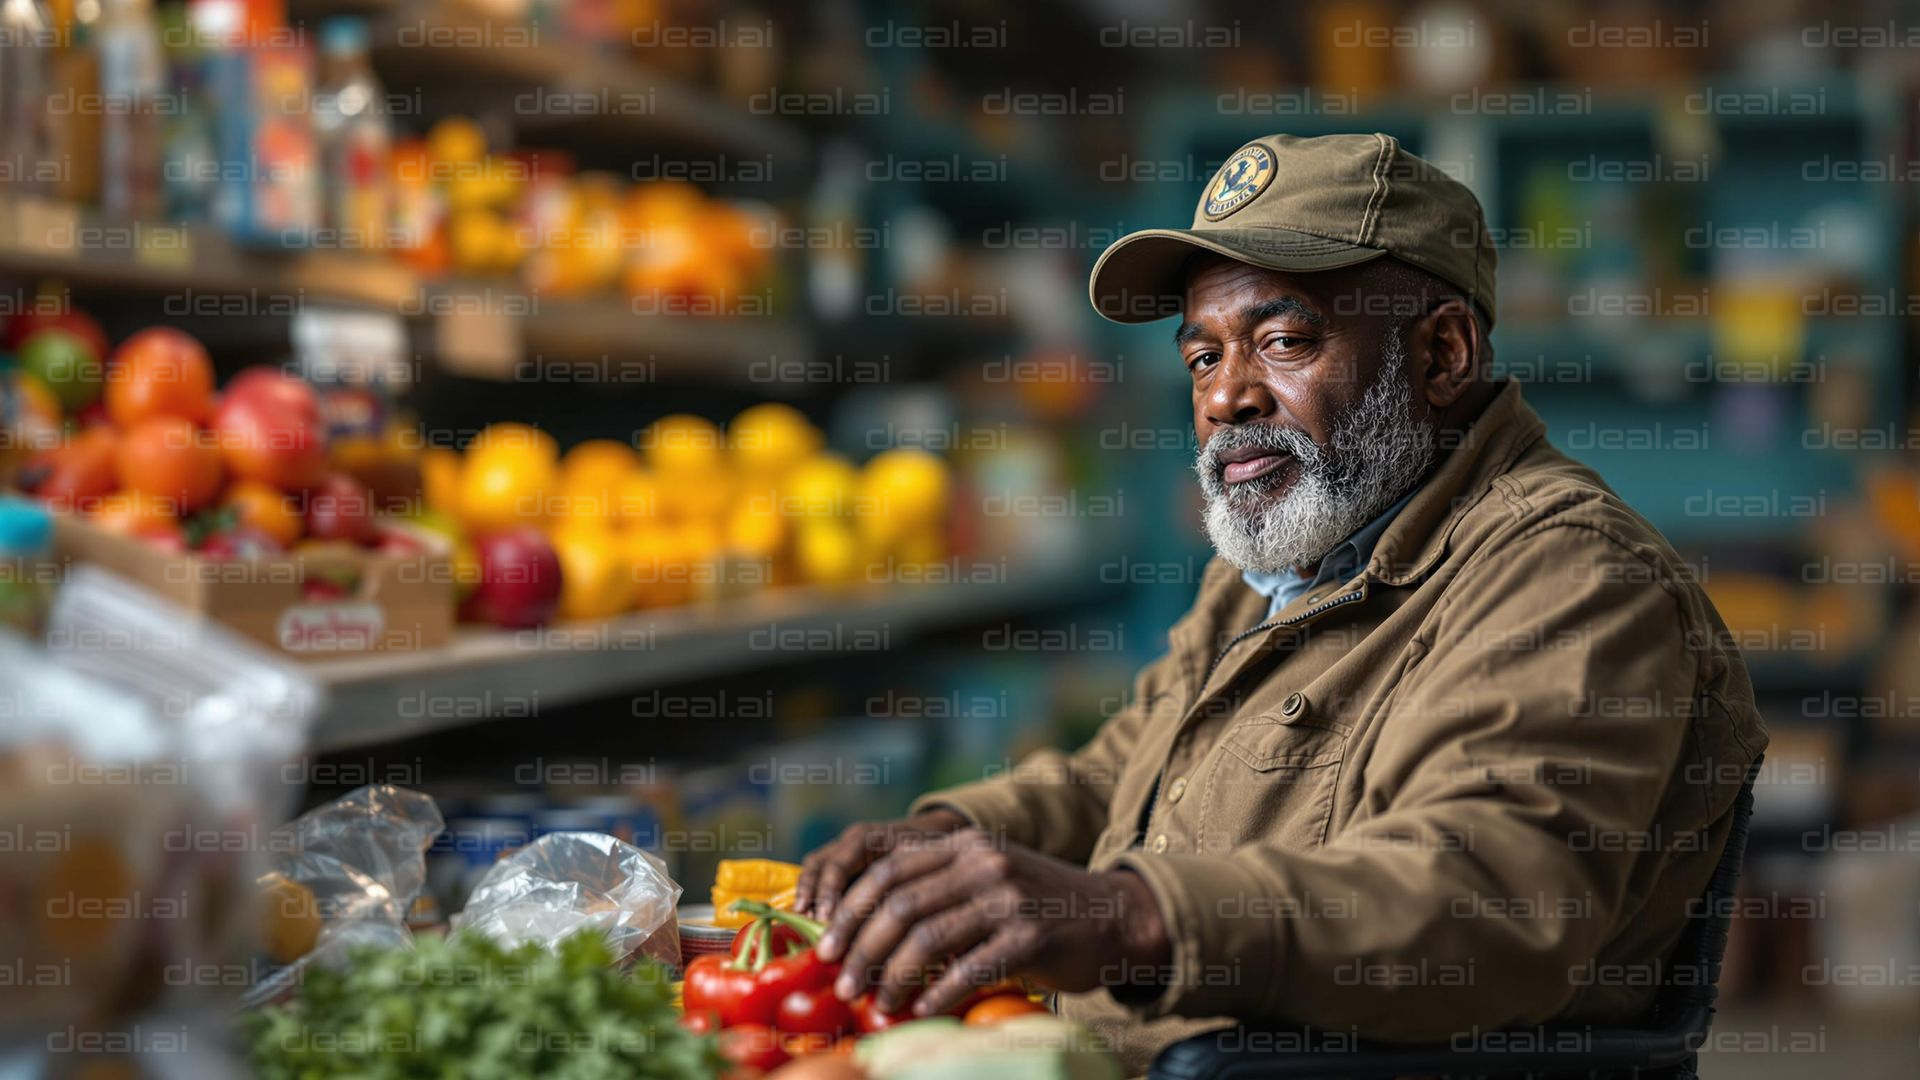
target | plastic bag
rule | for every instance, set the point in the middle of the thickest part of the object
(143, 755)
(570, 881)
(344, 875)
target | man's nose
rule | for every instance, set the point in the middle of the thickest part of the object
(1239, 392)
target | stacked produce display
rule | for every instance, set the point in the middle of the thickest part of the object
(136, 440)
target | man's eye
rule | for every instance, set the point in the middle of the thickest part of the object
(1285, 341)
(1203, 360)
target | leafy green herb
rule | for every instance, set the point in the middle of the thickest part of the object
(465, 1007)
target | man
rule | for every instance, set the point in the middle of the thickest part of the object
(1449, 739)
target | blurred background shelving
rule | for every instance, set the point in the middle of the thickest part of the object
(1706, 284)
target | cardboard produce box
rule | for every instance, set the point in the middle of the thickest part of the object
(389, 602)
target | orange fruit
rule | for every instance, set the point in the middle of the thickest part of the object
(508, 475)
(159, 371)
(265, 508)
(771, 438)
(682, 443)
(169, 459)
(594, 578)
(440, 479)
(132, 514)
(593, 478)
(1001, 1007)
(756, 532)
(657, 563)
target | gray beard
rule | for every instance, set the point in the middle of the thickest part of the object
(1377, 452)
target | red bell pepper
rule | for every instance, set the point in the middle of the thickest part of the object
(771, 959)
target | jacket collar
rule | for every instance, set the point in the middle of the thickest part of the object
(1416, 540)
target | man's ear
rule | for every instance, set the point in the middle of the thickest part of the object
(1448, 342)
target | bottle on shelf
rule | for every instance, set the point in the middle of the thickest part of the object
(355, 137)
(27, 44)
(133, 79)
(191, 170)
(74, 71)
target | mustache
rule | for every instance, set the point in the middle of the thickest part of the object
(1269, 437)
(1276, 438)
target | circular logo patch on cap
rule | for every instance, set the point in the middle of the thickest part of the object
(1245, 175)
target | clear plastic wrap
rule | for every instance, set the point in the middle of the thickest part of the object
(143, 757)
(569, 881)
(344, 875)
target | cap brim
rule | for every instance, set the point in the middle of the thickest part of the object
(1142, 277)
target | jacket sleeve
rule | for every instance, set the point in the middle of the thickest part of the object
(1536, 738)
(1056, 802)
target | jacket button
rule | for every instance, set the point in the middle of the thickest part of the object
(1159, 844)
(1176, 789)
(1293, 706)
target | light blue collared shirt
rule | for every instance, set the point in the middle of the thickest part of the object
(1340, 565)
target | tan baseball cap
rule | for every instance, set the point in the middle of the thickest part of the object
(1297, 204)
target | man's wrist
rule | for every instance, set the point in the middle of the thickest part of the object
(940, 818)
(1144, 943)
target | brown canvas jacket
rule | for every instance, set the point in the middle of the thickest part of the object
(1482, 783)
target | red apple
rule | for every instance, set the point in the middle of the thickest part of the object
(519, 580)
(72, 320)
(266, 438)
(341, 508)
(277, 388)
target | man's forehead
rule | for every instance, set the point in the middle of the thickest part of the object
(1221, 292)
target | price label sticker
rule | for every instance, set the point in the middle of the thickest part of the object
(479, 340)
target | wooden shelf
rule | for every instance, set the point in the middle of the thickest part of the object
(488, 674)
(459, 58)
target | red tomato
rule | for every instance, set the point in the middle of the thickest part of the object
(803, 970)
(1001, 1007)
(753, 1045)
(785, 939)
(734, 993)
(868, 1015)
(813, 1012)
(703, 1022)
(159, 372)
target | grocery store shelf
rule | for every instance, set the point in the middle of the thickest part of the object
(48, 238)
(485, 674)
(482, 331)
(461, 58)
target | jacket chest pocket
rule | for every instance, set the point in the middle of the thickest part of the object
(1272, 781)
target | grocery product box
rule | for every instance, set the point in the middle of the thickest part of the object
(321, 603)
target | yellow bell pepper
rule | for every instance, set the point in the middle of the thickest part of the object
(752, 879)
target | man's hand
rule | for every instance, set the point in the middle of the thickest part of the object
(986, 911)
(826, 871)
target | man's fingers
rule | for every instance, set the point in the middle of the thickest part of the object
(935, 934)
(841, 862)
(993, 960)
(869, 900)
(809, 877)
